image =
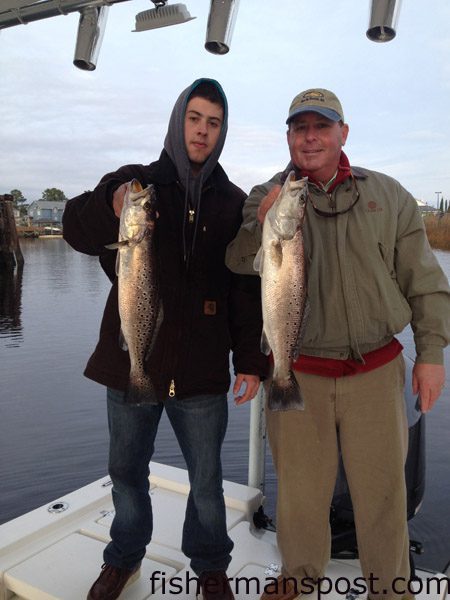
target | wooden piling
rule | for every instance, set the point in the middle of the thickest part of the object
(10, 253)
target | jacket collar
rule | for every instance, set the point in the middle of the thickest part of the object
(345, 170)
(359, 173)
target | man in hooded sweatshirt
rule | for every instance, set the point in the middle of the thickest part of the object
(207, 310)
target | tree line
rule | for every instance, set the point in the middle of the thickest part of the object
(49, 195)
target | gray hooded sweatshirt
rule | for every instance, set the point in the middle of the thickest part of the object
(175, 146)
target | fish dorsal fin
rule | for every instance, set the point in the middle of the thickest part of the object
(118, 264)
(265, 346)
(259, 261)
(117, 245)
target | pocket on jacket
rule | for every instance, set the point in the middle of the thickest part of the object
(393, 308)
(387, 254)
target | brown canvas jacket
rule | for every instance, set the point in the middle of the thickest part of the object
(371, 271)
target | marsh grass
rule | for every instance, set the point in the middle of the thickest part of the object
(438, 230)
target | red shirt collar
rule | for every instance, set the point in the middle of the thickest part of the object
(344, 171)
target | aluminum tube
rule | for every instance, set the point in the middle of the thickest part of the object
(219, 30)
(383, 20)
(257, 443)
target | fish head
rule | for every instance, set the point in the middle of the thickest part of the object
(136, 195)
(137, 213)
(289, 207)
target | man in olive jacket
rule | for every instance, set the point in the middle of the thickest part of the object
(370, 272)
(207, 311)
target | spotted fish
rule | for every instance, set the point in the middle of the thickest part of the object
(139, 296)
(282, 266)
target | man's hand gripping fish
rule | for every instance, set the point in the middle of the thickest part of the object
(281, 264)
(139, 299)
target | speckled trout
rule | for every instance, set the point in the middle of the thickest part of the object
(281, 264)
(139, 299)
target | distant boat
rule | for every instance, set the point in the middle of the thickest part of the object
(51, 231)
(30, 231)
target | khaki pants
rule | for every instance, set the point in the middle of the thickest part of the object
(366, 413)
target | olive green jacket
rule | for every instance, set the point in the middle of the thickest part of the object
(371, 271)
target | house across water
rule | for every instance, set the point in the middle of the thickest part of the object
(44, 213)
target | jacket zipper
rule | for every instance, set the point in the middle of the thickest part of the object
(172, 391)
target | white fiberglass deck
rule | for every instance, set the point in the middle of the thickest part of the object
(57, 555)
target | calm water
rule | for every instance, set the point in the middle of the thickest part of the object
(53, 433)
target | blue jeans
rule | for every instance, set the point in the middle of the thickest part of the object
(199, 424)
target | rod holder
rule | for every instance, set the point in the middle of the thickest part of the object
(383, 20)
(91, 28)
(219, 30)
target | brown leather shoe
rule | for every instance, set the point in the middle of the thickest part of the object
(282, 589)
(215, 586)
(111, 582)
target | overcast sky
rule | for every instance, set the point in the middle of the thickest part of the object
(62, 127)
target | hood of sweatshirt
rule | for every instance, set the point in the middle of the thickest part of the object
(175, 146)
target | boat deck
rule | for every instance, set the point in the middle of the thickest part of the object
(55, 552)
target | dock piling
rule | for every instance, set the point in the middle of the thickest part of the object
(11, 256)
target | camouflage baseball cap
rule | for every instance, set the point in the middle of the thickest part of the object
(317, 100)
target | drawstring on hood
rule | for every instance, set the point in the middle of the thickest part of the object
(175, 146)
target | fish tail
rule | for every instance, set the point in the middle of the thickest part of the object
(140, 390)
(284, 394)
